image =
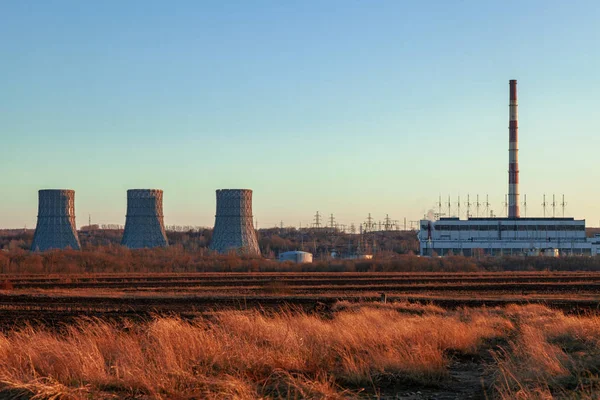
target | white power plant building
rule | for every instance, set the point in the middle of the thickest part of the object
(506, 236)
(512, 235)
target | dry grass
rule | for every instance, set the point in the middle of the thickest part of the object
(551, 355)
(291, 354)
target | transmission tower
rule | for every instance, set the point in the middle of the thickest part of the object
(331, 222)
(317, 223)
(369, 225)
(387, 223)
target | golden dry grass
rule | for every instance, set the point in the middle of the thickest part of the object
(291, 354)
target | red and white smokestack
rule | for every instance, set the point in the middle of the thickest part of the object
(513, 153)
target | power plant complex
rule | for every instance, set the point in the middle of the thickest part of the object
(234, 224)
(512, 235)
(144, 223)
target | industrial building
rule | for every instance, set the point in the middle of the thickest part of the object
(512, 235)
(144, 222)
(234, 224)
(55, 227)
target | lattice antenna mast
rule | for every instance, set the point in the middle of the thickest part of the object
(553, 206)
(449, 207)
(525, 204)
(458, 207)
(477, 205)
(563, 205)
(505, 204)
(439, 204)
(487, 206)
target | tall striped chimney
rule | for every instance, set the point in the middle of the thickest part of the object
(513, 153)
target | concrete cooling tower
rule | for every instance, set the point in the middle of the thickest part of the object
(144, 225)
(234, 229)
(56, 221)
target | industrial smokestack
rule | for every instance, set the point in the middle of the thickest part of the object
(513, 153)
(144, 224)
(56, 221)
(234, 230)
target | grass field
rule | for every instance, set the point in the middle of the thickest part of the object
(359, 350)
(502, 335)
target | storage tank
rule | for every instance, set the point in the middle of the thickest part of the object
(299, 257)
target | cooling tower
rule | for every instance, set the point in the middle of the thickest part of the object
(56, 221)
(234, 228)
(144, 225)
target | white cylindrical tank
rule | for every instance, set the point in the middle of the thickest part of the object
(299, 257)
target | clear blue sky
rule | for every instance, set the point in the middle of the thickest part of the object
(346, 107)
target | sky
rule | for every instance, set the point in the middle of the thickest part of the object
(345, 107)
